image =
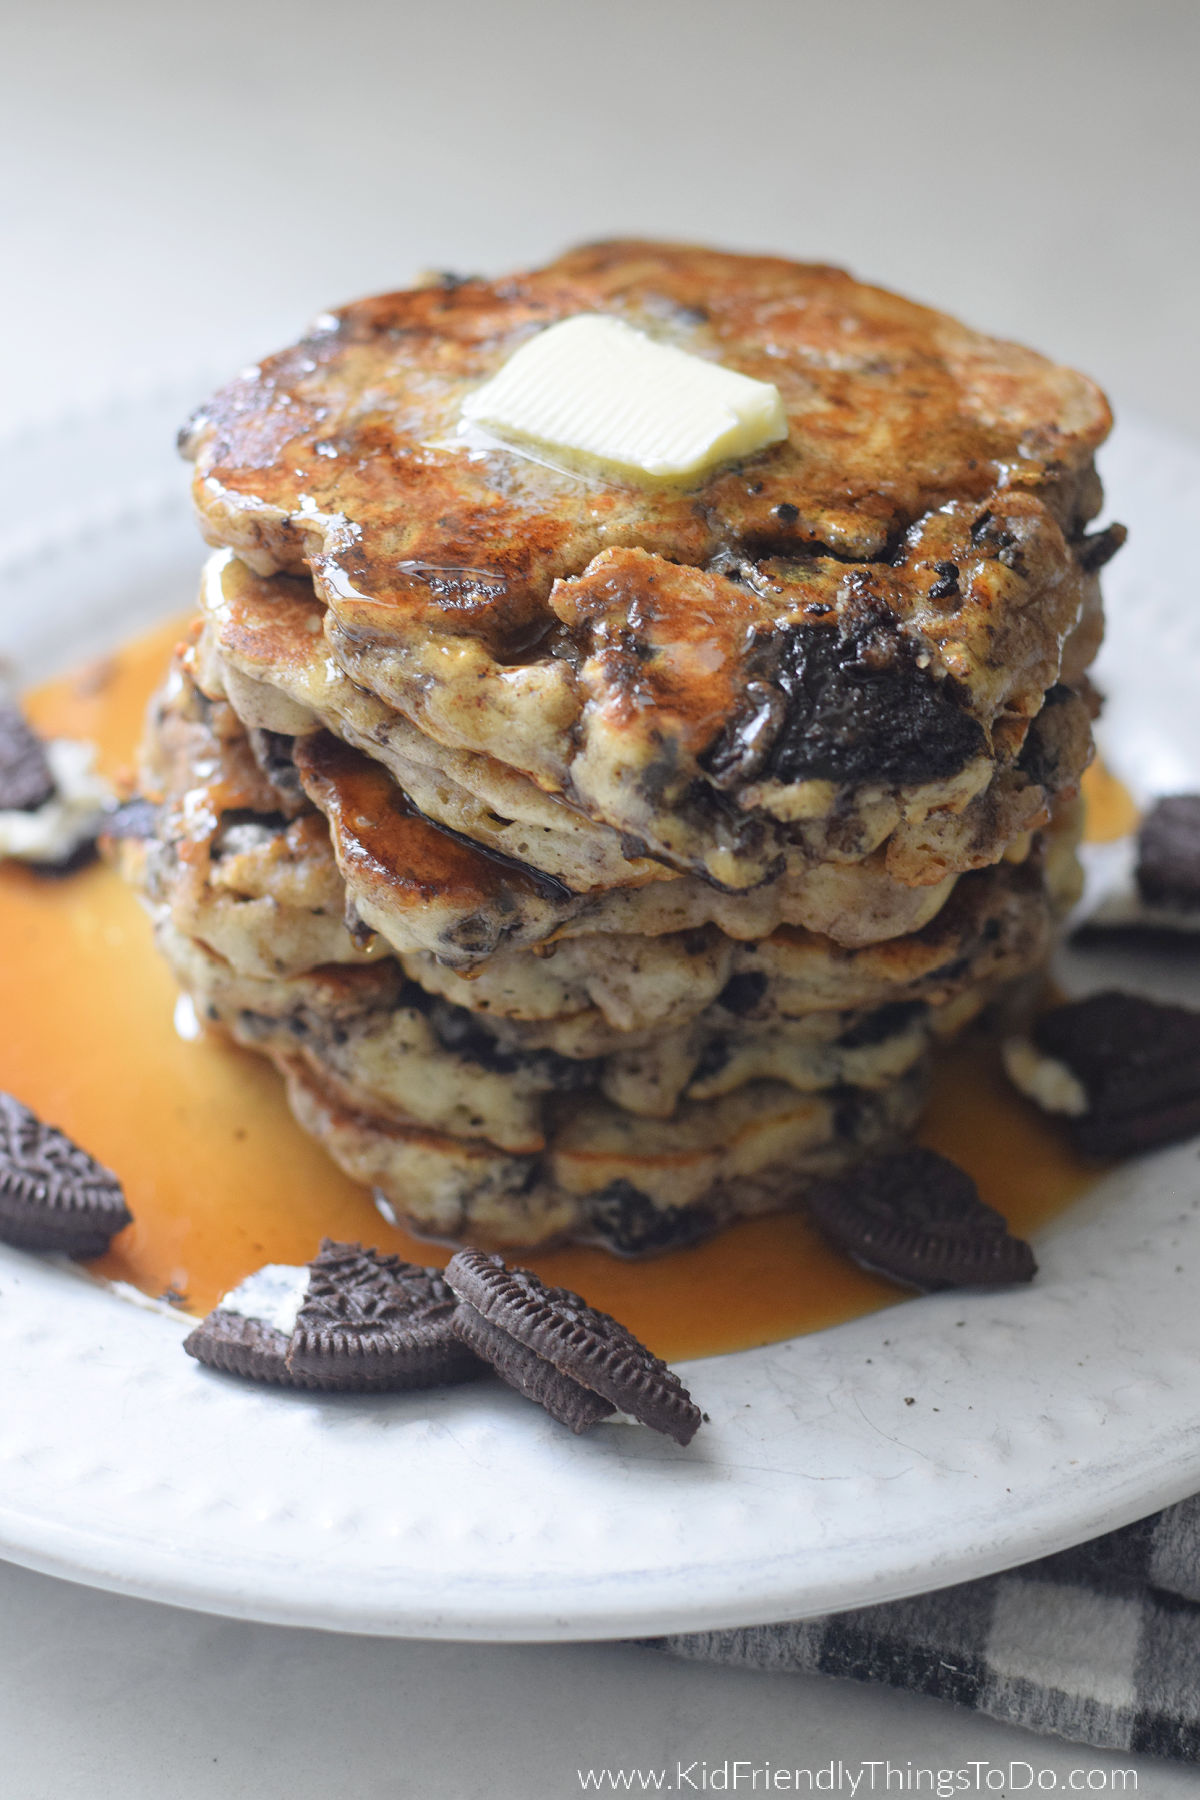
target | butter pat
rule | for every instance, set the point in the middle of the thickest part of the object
(594, 387)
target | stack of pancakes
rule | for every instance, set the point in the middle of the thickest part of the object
(598, 859)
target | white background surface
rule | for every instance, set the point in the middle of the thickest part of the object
(183, 187)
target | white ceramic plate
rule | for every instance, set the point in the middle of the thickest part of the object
(943, 1439)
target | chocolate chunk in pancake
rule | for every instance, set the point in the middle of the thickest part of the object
(53, 1195)
(918, 1218)
(626, 1220)
(845, 705)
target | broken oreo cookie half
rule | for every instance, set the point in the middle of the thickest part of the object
(1124, 1071)
(53, 1195)
(373, 1321)
(353, 1320)
(52, 802)
(918, 1218)
(1168, 865)
(563, 1334)
(1156, 890)
(564, 1398)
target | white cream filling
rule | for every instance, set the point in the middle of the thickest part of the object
(1046, 1081)
(70, 818)
(273, 1296)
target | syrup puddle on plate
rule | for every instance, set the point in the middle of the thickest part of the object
(221, 1179)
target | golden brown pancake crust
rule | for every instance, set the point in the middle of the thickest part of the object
(894, 410)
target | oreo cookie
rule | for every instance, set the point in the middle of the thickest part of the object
(26, 780)
(565, 1399)
(1168, 864)
(351, 1321)
(918, 1218)
(559, 1328)
(1136, 1066)
(374, 1321)
(53, 1195)
(1154, 895)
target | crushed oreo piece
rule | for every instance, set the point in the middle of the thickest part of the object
(1168, 865)
(1138, 1063)
(272, 751)
(565, 1399)
(53, 1195)
(917, 1218)
(743, 992)
(845, 702)
(866, 1028)
(587, 1345)
(946, 586)
(372, 1321)
(628, 1222)
(362, 933)
(26, 779)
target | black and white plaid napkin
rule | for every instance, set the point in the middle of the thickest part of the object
(1100, 1644)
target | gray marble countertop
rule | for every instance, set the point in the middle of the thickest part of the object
(183, 189)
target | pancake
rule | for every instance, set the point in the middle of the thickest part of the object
(226, 866)
(599, 858)
(827, 644)
(262, 647)
(633, 1185)
(384, 1044)
(237, 862)
(591, 992)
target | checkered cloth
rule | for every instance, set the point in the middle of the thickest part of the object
(1100, 1644)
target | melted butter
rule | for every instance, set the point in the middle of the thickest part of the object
(221, 1180)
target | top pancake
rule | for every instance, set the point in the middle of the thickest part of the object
(882, 597)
